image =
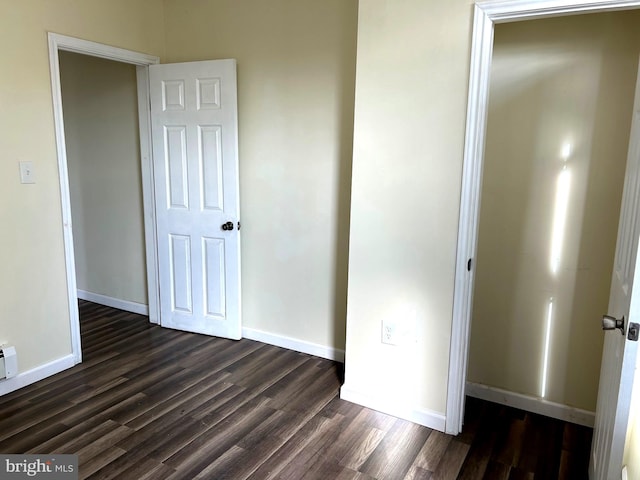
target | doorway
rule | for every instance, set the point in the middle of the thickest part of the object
(486, 16)
(59, 43)
(103, 156)
(560, 111)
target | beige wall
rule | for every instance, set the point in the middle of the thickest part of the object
(103, 156)
(554, 82)
(411, 95)
(34, 312)
(296, 66)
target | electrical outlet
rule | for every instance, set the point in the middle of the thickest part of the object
(399, 328)
(389, 332)
(27, 174)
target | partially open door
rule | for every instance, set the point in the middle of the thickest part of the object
(194, 126)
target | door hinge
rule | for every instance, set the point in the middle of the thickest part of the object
(633, 332)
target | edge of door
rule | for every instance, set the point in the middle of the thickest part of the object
(486, 15)
(142, 61)
(148, 192)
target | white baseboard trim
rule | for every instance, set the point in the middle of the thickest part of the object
(36, 374)
(426, 418)
(314, 349)
(531, 404)
(126, 305)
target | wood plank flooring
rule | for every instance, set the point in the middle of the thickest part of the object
(153, 403)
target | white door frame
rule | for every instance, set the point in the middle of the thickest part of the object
(142, 61)
(486, 15)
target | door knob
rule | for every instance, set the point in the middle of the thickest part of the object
(611, 323)
(227, 226)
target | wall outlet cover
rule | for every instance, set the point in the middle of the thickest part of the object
(389, 332)
(27, 174)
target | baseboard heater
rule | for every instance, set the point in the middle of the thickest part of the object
(8, 362)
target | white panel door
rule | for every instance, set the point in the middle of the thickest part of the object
(195, 151)
(619, 354)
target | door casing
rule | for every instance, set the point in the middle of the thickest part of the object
(141, 61)
(486, 15)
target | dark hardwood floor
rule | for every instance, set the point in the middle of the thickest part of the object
(149, 402)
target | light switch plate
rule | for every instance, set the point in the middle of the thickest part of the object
(27, 174)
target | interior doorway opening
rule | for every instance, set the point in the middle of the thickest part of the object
(559, 118)
(59, 43)
(103, 156)
(619, 354)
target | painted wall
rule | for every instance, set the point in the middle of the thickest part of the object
(564, 83)
(295, 106)
(296, 67)
(103, 155)
(411, 94)
(34, 312)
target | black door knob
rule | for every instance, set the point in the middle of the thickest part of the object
(227, 226)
